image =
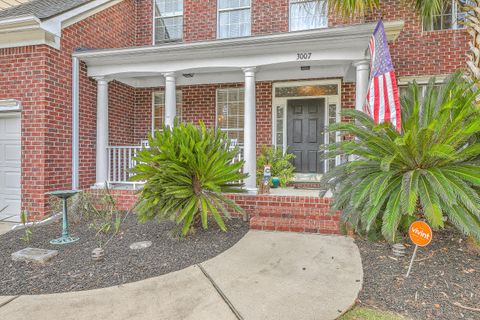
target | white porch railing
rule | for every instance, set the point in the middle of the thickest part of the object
(121, 159)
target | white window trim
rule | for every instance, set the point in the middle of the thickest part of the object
(290, 2)
(167, 16)
(229, 10)
(283, 101)
(9, 105)
(454, 14)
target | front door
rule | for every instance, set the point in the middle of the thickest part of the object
(305, 127)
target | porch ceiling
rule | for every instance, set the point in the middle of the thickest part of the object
(329, 53)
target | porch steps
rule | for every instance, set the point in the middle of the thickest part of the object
(295, 214)
(294, 225)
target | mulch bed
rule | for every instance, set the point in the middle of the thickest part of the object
(74, 270)
(446, 274)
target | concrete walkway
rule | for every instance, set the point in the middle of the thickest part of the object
(266, 275)
(5, 227)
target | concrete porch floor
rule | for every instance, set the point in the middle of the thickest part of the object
(266, 275)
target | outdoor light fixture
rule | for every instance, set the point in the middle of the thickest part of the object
(188, 75)
(304, 68)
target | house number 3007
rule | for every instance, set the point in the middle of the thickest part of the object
(304, 55)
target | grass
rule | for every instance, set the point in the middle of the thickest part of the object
(361, 313)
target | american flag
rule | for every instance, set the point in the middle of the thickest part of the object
(382, 97)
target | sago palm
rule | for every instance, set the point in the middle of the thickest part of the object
(427, 171)
(187, 170)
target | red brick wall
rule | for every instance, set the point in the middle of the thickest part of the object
(144, 22)
(269, 16)
(22, 77)
(40, 77)
(200, 20)
(270, 212)
(121, 116)
(415, 53)
(113, 27)
(199, 103)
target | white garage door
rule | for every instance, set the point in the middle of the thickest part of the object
(10, 166)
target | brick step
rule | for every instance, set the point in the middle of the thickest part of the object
(297, 213)
(295, 225)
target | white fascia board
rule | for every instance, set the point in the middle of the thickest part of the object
(24, 31)
(329, 36)
(54, 25)
(30, 30)
(340, 44)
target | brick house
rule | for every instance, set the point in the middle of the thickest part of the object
(83, 82)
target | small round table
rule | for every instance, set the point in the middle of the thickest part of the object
(64, 195)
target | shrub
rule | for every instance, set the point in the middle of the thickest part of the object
(279, 161)
(187, 169)
(430, 170)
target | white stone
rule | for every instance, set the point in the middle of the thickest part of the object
(140, 245)
(34, 255)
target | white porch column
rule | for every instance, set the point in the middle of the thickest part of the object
(250, 131)
(363, 74)
(170, 98)
(102, 132)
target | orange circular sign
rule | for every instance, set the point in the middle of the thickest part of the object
(420, 233)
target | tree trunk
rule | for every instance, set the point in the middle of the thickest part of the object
(473, 27)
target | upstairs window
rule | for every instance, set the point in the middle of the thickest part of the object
(308, 14)
(451, 17)
(234, 18)
(168, 19)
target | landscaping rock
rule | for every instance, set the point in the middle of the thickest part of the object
(140, 245)
(34, 255)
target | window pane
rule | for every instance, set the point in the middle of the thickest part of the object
(234, 23)
(450, 18)
(168, 28)
(232, 4)
(230, 109)
(168, 20)
(159, 109)
(307, 15)
(166, 8)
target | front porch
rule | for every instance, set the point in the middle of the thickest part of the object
(252, 88)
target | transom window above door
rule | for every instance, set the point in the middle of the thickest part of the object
(234, 18)
(168, 20)
(308, 14)
(158, 112)
(230, 113)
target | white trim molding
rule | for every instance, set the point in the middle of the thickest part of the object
(30, 30)
(9, 105)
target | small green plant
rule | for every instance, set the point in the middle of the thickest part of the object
(100, 208)
(280, 164)
(187, 170)
(27, 230)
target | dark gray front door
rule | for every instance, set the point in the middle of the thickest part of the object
(305, 126)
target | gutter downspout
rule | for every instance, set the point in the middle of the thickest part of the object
(75, 122)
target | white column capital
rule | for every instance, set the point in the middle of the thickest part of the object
(101, 80)
(362, 64)
(169, 75)
(249, 71)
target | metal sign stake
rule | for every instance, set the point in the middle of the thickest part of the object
(411, 262)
